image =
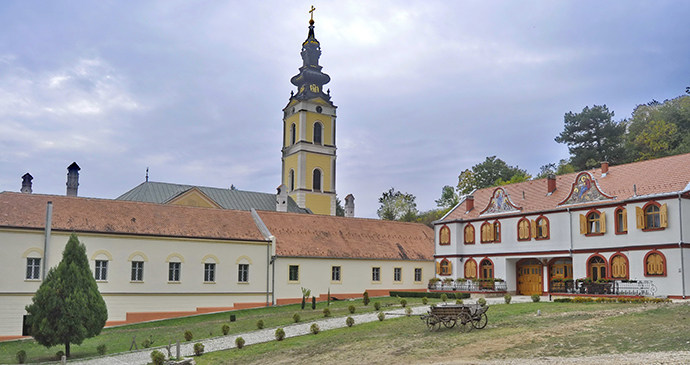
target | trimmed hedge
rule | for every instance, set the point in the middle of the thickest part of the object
(422, 294)
(611, 300)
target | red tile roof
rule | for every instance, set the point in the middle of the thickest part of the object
(660, 176)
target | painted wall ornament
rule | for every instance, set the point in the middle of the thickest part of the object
(585, 189)
(500, 203)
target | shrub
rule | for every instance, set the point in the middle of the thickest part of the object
(507, 298)
(562, 300)
(458, 301)
(225, 329)
(382, 316)
(481, 301)
(157, 357)
(296, 317)
(425, 300)
(239, 342)
(188, 336)
(280, 334)
(102, 349)
(326, 312)
(198, 349)
(351, 308)
(59, 354)
(315, 328)
(349, 321)
(536, 297)
(21, 356)
(377, 305)
(444, 297)
(260, 324)
(403, 302)
(413, 294)
(365, 300)
(408, 311)
(148, 342)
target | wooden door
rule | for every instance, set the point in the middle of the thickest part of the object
(530, 277)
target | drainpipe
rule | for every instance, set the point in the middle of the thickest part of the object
(273, 276)
(268, 268)
(570, 229)
(46, 241)
(680, 243)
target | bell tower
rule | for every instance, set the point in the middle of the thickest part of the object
(308, 169)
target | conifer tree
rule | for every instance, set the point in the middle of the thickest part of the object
(67, 308)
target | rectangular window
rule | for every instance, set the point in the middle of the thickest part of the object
(243, 273)
(137, 270)
(33, 269)
(293, 273)
(335, 273)
(417, 274)
(397, 274)
(209, 273)
(101, 272)
(174, 271)
(375, 274)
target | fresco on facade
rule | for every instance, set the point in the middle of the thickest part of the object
(499, 203)
(585, 190)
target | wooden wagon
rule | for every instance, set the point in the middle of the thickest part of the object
(466, 316)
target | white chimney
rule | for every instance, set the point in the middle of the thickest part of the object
(282, 199)
(350, 206)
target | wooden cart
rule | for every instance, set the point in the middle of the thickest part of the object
(466, 316)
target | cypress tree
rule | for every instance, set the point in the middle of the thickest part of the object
(67, 308)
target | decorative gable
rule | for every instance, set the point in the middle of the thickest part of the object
(500, 203)
(194, 198)
(584, 190)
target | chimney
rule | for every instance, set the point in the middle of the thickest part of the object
(604, 168)
(282, 199)
(350, 206)
(26, 183)
(469, 202)
(550, 183)
(72, 179)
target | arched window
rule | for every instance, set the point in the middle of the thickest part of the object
(318, 134)
(596, 267)
(486, 269)
(446, 268)
(497, 231)
(444, 236)
(523, 230)
(654, 264)
(292, 180)
(316, 183)
(652, 216)
(469, 234)
(619, 267)
(470, 269)
(621, 220)
(594, 223)
(487, 232)
(292, 133)
(541, 228)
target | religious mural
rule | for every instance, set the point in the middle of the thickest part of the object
(585, 190)
(500, 203)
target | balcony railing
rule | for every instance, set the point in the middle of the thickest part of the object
(471, 286)
(613, 287)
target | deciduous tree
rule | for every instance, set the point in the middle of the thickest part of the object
(397, 206)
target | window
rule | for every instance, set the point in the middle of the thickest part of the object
(523, 230)
(417, 274)
(335, 273)
(445, 267)
(376, 274)
(594, 223)
(541, 228)
(101, 271)
(444, 236)
(316, 184)
(487, 233)
(655, 264)
(621, 221)
(469, 234)
(33, 268)
(487, 269)
(137, 270)
(652, 216)
(397, 274)
(619, 267)
(292, 180)
(470, 269)
(209, 273)
(497, 232)
(243, 273)
(317, 133)
(597, 268)
(174, 271)
(293, 273)
(292, 134)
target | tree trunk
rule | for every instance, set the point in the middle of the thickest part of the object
(67, 349)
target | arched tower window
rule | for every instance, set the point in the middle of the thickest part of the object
(292, 180)
(316, 184)
(292, 134)
(318, 133)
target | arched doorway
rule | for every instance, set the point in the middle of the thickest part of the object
(597, 268)
(529, 277)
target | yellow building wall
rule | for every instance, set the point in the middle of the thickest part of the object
(324, 163)
(288, 122)
(325, 122)
(319, 204)
(290, 163)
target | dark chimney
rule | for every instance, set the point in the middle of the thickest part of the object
(72, 179)
(604, 167)
(469, 202)
(26, 183)
(550, 183)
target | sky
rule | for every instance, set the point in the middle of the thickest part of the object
(194, 90)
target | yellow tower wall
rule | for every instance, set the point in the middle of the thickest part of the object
(324, 163)
(327, 127)
(319, 204)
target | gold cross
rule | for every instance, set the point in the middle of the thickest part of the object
(312, 12)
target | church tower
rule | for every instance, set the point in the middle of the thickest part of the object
(309, 134)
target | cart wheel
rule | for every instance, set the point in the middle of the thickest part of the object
(480, 321)
(449, 322)
(464, 322)
(433, 323)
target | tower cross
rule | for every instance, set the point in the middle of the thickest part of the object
(311, 11)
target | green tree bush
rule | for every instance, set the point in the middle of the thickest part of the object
(315, 329)
(382, 316)
(296, 317)
(260, 324)
(403, 302)
(326, 312)
(102, 349)
(365, 299)
(188, 335)
(199, 349)
(239, 342)
(157, 357)
(536, 297)
(507, 298)
(350, 321)
(351, 308)
(21, 356)
(280, 334)
(377, 305)
(225, 329)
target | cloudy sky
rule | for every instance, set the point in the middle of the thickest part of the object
(194, 90)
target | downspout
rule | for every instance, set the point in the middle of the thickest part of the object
(46, 241)
(570, 228)
(273, 276)
(268, 268)
(680, 243)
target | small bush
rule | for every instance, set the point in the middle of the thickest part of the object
(188, 336)
(562, 300)
(102, 349)
(260, 324)
(21, 356)
(280, 334)
(507, 298)
(444, 297)
(59, 354)
(403, 302)
(198, 349)
(296, 317)
(481, 301)
(458, 301)
(349, 321)
(239, 342)
(536, 297)
(326, 312)
(377, 305)
(315, 328)
(365, 300)
(148, 342)
(382, 316)
(351, 308)
(157, 357)
(408, 311)
(425, 300)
